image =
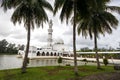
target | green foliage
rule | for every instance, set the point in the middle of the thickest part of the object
(21, 47)
(3, 46)
(85, 60)
(85, 49)
(105, 61)
(8, 48)
(67, 64)
(31, 12)
(109, 55)
(59, 60)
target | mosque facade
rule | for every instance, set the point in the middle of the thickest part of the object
(52, 48)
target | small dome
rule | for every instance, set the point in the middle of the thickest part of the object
(59, 41)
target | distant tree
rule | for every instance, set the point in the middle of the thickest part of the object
(21, 47)
(3, 46)
(85, 49)
(7, 48)
(11, 48)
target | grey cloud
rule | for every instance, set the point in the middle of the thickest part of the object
(84, 42)
(19, 36)
(80, 42)
(41, 38)
(5, 23)
(68, 32)
(4, 34)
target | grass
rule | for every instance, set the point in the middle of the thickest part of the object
(52, 73)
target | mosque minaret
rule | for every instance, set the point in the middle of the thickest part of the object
(50, 30)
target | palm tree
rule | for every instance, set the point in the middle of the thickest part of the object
(31, 12)
(98, 22)
(68, 7)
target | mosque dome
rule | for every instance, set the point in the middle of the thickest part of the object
(58, 41)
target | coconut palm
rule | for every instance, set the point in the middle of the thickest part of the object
(98, 22)
(69, 9)
(30, 12)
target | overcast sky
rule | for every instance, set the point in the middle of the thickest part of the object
(17, 33)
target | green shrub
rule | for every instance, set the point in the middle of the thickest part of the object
(85, 60)
(105, 61)
(67, 64)
(59, 60)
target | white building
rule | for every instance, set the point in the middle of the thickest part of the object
(53, 48)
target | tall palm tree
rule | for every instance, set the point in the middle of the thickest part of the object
(69, 9)
(98, 22)
(31, 12)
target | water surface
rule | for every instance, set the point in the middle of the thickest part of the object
(11, 62)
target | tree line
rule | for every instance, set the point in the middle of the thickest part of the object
(9, 48)
(87, 49)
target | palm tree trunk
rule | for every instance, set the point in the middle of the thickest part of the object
(25, 61)
(74, 41)
(96, 51)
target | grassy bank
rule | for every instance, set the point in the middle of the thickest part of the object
(52, 73)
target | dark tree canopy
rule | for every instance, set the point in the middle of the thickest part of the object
(7, 48)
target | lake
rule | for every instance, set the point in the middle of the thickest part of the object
(11, 62)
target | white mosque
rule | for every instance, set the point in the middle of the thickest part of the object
(53, 48)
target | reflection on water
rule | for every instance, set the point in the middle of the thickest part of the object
(42, 62)
(11, 61)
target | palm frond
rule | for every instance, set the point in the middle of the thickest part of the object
(113, 8)
(66, 10)
(8, 4)
(58, 4)
(33, 13)
(47, 5)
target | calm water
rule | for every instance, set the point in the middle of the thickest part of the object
(11, 61)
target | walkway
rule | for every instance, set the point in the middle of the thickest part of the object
(111, 61)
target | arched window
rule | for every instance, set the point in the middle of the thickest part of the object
(47, 54)
(55, 54)
(38, 53)
(43, 53)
